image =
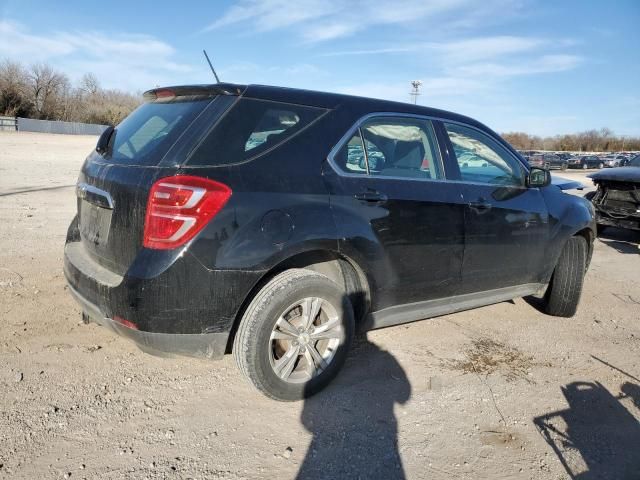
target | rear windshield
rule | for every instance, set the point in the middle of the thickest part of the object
(145, 136)
(251, 128)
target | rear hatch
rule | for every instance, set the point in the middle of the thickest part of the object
(150, 144)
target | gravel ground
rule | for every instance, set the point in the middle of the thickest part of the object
(498, 392)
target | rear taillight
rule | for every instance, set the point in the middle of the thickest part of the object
(179, 207)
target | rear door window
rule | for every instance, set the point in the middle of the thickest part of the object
(145, 136)
(350, 158)
(400, 147)
(251, 128)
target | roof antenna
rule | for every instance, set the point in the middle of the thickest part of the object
(211, 66)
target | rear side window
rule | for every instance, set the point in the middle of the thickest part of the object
(251, 128)
(148, 132)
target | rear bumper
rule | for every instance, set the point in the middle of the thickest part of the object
(204, 345)
(177, 307)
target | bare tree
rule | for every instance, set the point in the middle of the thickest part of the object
(89, 84)
(13, 90)
(47, 88)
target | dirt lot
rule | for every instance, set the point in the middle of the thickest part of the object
(499, 392)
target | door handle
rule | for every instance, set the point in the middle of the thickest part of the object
(480, 206)
(371, 196)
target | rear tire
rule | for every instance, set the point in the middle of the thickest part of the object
(600, 166)
(584, 166)
(563, 294)
(265, 337)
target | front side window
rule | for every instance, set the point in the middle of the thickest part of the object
(481, 159)
(250, 128)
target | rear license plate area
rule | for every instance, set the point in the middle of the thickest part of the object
(94, 223)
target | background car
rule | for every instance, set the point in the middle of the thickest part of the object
(564, 155)
(586, 161)
(548, 160)
(617, 198)
(614, 160)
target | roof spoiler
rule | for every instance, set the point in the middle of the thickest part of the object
(193, 90)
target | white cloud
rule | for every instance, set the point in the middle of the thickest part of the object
(470, 49)
(487, 47)
(127, 61)
(15, 42)
(272, 14)
(322, 20)
(301, 75)
(432, 88)
(543, 64)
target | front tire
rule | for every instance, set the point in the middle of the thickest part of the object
(563, 294)
(294, 336)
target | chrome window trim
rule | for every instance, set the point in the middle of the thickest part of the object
(356, 126)
(82, 189)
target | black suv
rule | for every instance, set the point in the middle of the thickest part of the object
(273, 222)
(548, 161)
(586, 161)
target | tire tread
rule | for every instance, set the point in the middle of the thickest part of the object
(565, 289)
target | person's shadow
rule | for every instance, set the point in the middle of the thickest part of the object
(355, 432)
(597, 427)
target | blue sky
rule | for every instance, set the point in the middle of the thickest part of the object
(543, 67)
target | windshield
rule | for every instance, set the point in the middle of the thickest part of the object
(145, 136)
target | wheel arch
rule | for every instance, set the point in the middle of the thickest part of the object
(588, 234)
(342, 270)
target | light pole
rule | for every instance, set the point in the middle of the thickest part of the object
(416, 90)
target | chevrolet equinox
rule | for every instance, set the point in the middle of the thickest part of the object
(272, 223)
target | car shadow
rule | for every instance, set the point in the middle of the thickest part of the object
(355, 431)
(536, 302)
(596, 437)
(623, 241)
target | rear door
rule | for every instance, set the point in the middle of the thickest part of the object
(393, 208)
(506, 223)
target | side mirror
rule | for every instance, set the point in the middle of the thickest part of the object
(538, 177)
(103, 141)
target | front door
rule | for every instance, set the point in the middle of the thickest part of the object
(506, 223)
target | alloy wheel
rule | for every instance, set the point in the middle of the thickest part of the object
(305, 339)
